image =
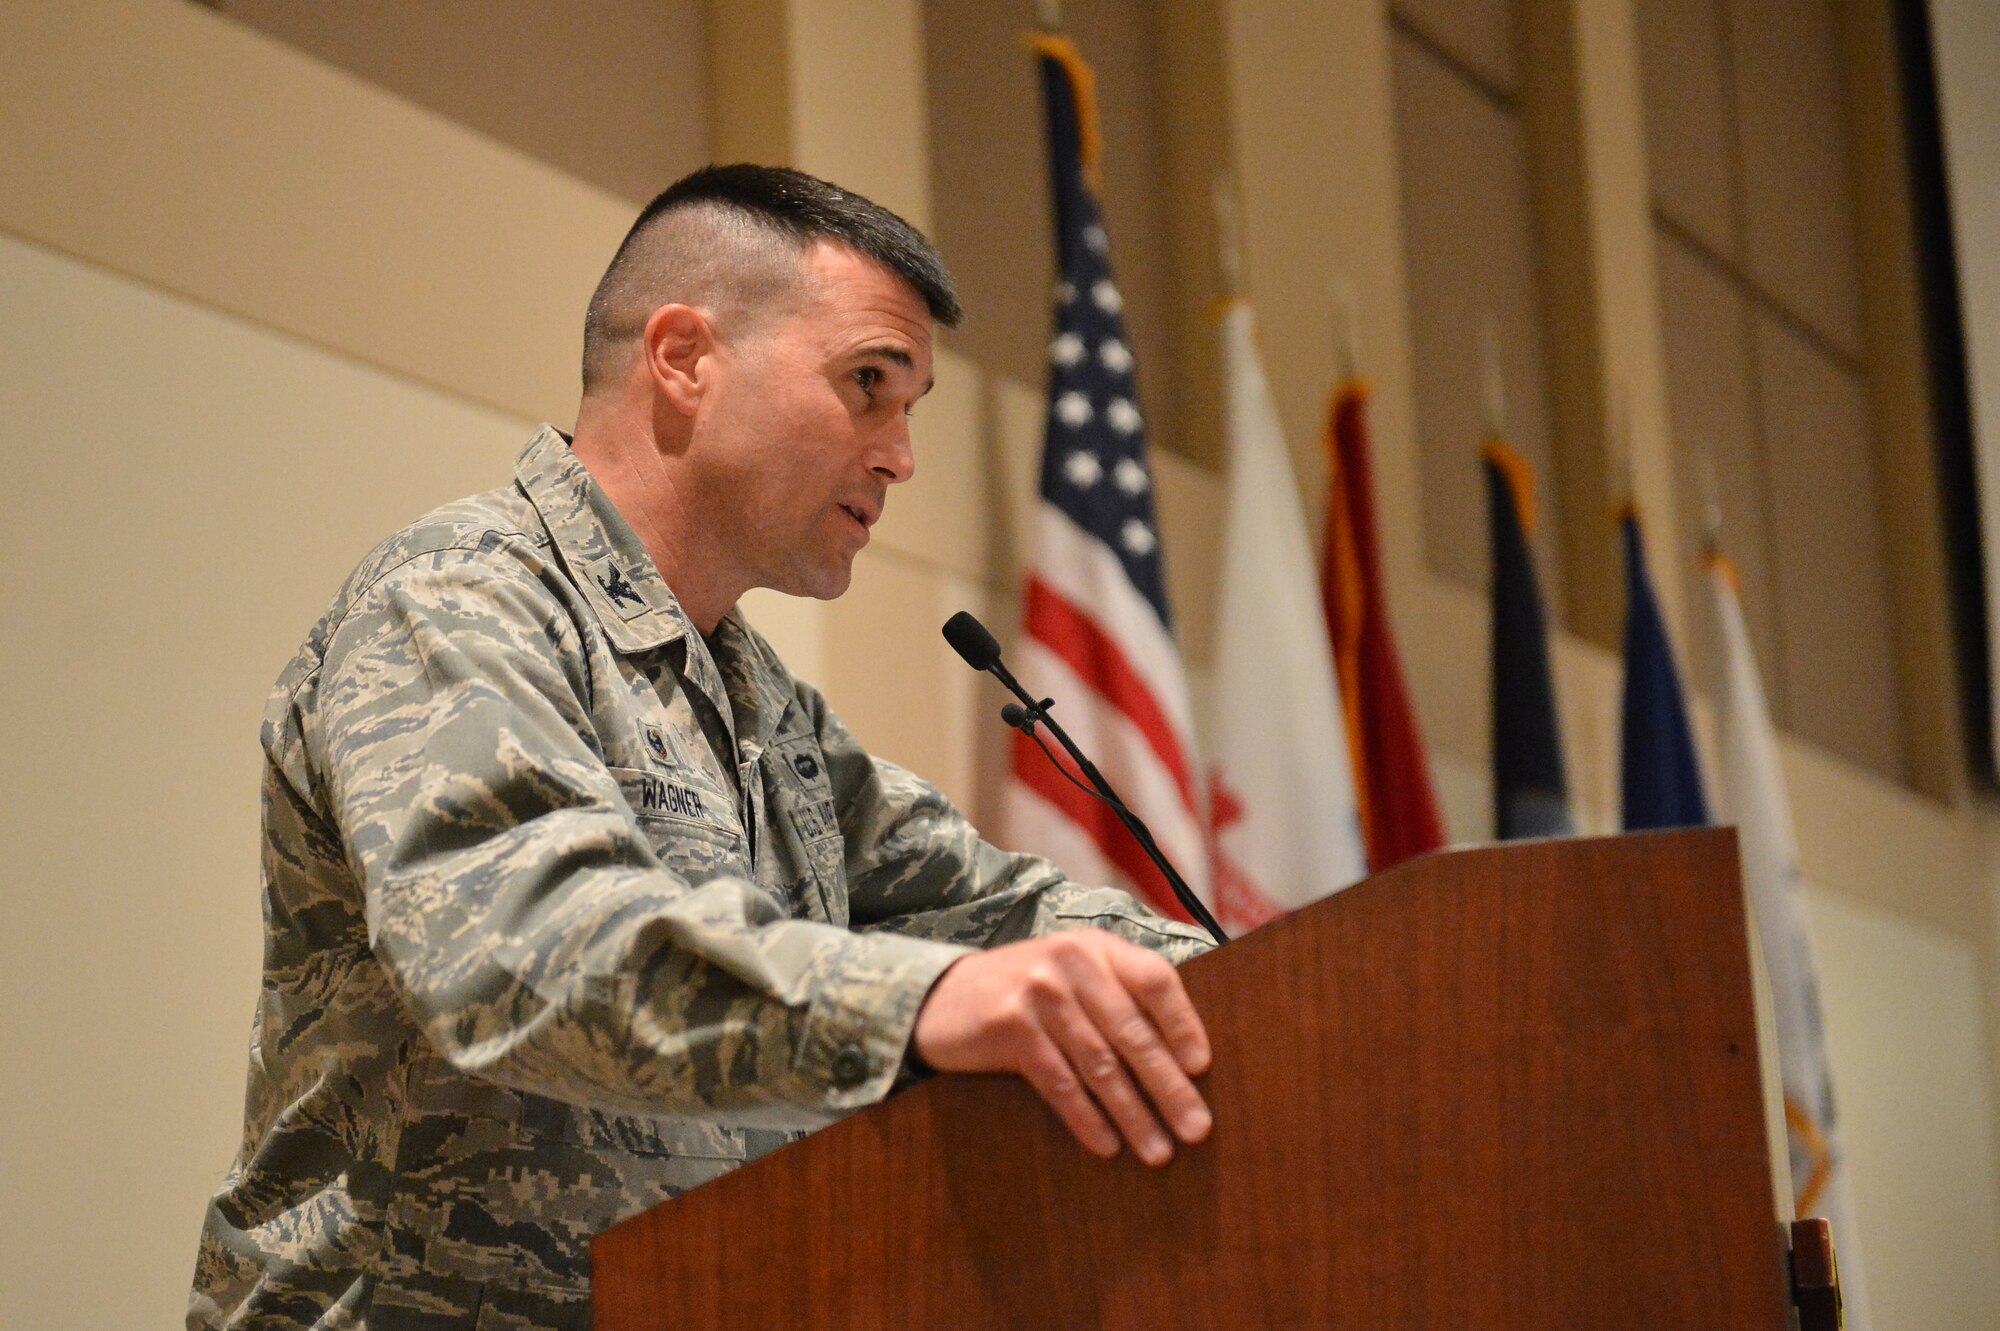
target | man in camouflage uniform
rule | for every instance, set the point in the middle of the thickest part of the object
(574, 897)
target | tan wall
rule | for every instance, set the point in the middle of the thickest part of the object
(231, 389)
(613, 92)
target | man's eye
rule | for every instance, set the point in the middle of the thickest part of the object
(869, 378)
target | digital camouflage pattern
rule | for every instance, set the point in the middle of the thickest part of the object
(564, 915)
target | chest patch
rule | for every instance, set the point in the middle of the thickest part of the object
(656, 740)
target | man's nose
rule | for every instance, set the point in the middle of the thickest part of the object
(893, 459)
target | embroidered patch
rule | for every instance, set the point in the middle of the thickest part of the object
(656, 740)
(617, 587)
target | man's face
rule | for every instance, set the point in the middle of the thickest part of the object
(807, 425)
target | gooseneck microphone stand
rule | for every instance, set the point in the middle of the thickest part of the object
(971, 640)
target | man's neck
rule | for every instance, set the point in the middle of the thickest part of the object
(622, 456)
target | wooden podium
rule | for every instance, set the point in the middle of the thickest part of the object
(1501, 1088)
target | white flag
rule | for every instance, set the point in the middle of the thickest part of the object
(1286, 824)
(1754, 786)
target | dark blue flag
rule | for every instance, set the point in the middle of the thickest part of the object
(1661, 785)
(1530, 790)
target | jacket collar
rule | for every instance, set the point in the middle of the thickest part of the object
(638, 610)
(603, 553)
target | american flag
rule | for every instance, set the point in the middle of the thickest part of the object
(1097, 635)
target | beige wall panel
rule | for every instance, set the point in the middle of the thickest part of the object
(942, 515)
(892, 678)
(1018, 414)
(1634, 453)
(271, 185)
(1874, 840)
(1838, 672)
(1589, 695)
(1482, 35)
(1798, 199)
(989, 185)
(196, 513)
(614, 92)
(1916, 1100)
(990, 191)
(1900, 393)
(1718, 458)
(1313, 138)
(857, 70)
(1197, 121)
(1463, 159)
(1190, 499)
(1690, 136)
(1448, 662)
(1465, 798)
(795, 626)
(750, 97)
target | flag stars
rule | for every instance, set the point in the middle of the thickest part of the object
(1116, 356)
(1067, 351)
(1096, 240)
(1074, 410)
(1131, 477)
(1082, 469)
(1065, 293)
(1137, 538)
(1105, 296)
(1124, 417)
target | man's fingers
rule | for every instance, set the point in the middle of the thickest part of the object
(1102, 1068)
(1048, 1070)
(1100, 1028)
(1156, 986)
(1138, 1045)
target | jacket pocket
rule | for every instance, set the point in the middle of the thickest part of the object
(688, 823)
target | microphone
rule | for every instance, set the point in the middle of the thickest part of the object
(971, 640)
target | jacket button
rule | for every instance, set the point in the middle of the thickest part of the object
(850, 1067)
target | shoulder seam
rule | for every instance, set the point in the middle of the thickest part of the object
(462, 544)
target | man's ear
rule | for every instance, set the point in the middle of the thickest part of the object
(677, 344)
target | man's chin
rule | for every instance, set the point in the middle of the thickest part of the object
(822, 584)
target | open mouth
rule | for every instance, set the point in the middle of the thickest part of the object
(860, 516)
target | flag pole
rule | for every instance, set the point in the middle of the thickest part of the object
(1711, 500)
(1493, 377)
(1228, 234)
(1618, 460)
(1346, 334)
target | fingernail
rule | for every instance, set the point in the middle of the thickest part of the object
(1194, 1125)
(1156, 1150)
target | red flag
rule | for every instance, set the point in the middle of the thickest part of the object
(1399, 808)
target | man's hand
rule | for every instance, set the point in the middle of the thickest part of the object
(1080, 1015)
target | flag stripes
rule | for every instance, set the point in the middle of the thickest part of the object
(1093, 655)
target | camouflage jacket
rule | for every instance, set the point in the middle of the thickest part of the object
(565, 913)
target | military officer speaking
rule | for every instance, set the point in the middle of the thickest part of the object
(574, 897)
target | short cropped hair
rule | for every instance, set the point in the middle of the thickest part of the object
(732, 236)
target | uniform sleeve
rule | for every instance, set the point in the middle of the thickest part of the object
(521, 913)
(917, 867)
